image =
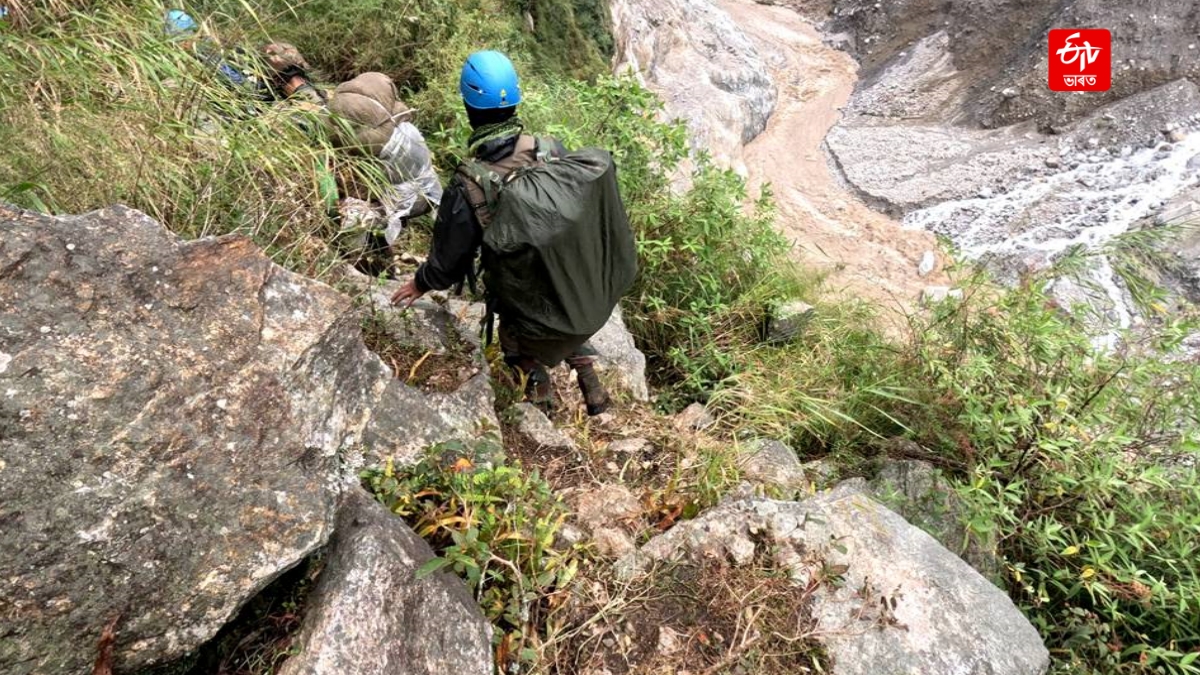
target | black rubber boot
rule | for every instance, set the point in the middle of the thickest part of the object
(594, 394)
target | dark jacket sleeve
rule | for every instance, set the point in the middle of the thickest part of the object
(456, 239)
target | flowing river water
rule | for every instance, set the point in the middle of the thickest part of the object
(865, 253)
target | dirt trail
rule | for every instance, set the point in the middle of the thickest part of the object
(866, 253)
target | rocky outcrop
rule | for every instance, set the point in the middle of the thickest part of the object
(771, 462)
(707, 71)
(788, 321)
(902, 600)
(619, 355)
(607, 513)
(1183, 250)
(695, 417)
(458, 404)
(538, 430)
(175, 421)
(370, 613)
(918, 492)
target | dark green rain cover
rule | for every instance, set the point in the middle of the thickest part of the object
(558, 253)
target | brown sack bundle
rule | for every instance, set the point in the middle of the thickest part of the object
(365, 112)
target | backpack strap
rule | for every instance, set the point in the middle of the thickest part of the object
(547, 150)
(480, 183)
(484, 180)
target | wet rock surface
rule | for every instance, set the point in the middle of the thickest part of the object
(369, 613)
(1183, 273)
(999, 46)
(176, 420)
(954, 129)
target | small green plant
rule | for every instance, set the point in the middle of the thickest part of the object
(493, 524)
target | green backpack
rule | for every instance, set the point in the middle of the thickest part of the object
(558, 252)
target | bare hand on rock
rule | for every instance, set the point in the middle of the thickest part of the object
(407, 294)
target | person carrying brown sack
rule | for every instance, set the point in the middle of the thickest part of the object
(557, 249)
(368, 117)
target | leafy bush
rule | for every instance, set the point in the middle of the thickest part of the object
(572, 35)
(493, 524)
(1083, 463)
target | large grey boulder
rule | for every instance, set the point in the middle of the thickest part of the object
(918, 492)
(175, 422)
(369, 614)
(905, 603)
(619, 355)
(457, 403)
(708, 72)
(771, 462)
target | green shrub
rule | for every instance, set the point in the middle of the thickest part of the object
(416, 42)
(842, 387)
(491, 523)
(571, 35)
(1083, 464)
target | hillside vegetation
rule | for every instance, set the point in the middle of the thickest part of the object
(1077, 467)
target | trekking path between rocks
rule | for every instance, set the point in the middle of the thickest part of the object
(866, 253)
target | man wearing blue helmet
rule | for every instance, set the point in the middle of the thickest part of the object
(277, 73)
(491, 92)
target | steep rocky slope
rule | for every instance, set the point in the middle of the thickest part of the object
(710, 74)
(951, 128)
(182, 423)
(954, 130)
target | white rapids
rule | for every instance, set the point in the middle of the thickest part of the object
(1039, 218)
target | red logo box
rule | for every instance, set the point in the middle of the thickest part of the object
(1080, 59)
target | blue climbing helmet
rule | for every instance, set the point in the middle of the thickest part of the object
(180, 22)
(489, 81)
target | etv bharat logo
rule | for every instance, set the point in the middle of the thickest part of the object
(1080, 59)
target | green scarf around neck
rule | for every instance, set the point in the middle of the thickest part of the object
(490, 132)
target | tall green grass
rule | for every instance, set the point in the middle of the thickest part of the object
(99, 107)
